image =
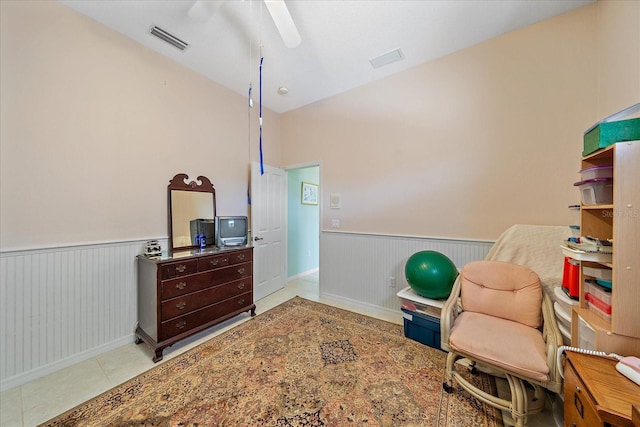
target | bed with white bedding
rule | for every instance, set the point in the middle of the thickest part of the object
(537, 247)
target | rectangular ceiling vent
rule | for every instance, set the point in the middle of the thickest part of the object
(168, 37)
(387, 58)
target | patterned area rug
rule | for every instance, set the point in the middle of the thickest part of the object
(299, 364)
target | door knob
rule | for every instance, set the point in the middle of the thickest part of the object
(257, 238)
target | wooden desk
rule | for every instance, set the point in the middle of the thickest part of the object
(596, 394)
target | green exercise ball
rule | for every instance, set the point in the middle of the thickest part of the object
(430, 274)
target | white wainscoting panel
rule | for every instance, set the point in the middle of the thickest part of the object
(368, 270)
(63, 305)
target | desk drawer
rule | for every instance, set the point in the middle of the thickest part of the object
(181, 324)
(186, 303)
(579, 409)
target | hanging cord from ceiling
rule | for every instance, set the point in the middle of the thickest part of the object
(249, 144)
(249, 100)
(260, 120)
(260, 89)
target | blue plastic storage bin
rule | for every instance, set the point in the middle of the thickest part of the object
(422, 328)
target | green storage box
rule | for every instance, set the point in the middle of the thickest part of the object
(607, 133)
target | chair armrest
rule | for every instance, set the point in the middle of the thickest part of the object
(448, 314)
(553, 338)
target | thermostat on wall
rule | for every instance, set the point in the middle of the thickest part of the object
(334, 202)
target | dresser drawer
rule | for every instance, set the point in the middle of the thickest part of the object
(176, 269)
(211, 262)
(186, 303)
(196, 282)
(178, 325)
(240, 256)
(234, 272)
(185, 285)
(235, 303)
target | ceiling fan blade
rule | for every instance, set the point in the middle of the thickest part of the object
(284, 23)
(203, 10)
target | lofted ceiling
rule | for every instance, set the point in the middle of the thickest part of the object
(339, 38)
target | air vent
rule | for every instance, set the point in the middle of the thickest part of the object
(168, 37)
(386, 58)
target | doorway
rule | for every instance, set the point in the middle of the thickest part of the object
(303, 224)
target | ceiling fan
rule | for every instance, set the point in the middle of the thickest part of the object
(203, 10)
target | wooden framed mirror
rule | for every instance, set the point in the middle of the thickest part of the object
(192, 204)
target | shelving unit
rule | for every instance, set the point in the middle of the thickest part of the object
(620, 221)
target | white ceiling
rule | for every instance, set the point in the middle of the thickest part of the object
(339, 37)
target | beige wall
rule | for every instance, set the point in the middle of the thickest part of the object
(93, 127)
(618, 55)
(469, 144)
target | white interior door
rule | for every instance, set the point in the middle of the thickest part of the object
(268, 222)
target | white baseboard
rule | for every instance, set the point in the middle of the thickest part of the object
(394, 316)
(303, 274)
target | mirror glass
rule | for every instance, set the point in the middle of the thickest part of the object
(188, 201)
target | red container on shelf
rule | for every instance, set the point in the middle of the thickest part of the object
(571, 278)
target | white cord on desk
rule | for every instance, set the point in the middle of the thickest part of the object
(562, 349)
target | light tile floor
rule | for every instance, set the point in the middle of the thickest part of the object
(44, 398)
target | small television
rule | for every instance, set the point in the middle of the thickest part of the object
(231, 231)
(203, 226)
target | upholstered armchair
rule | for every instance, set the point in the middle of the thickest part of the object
(499, 320)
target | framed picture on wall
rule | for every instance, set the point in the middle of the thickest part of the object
(309, 194)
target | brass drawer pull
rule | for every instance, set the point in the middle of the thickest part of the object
(241, 285)
(181, 285)
(181, 268)
(181, 305)
(181, 324)
(240, 302)
(215, 261)
(241, 270)
(240, 257)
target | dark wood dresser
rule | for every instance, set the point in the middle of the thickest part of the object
(185, 292)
